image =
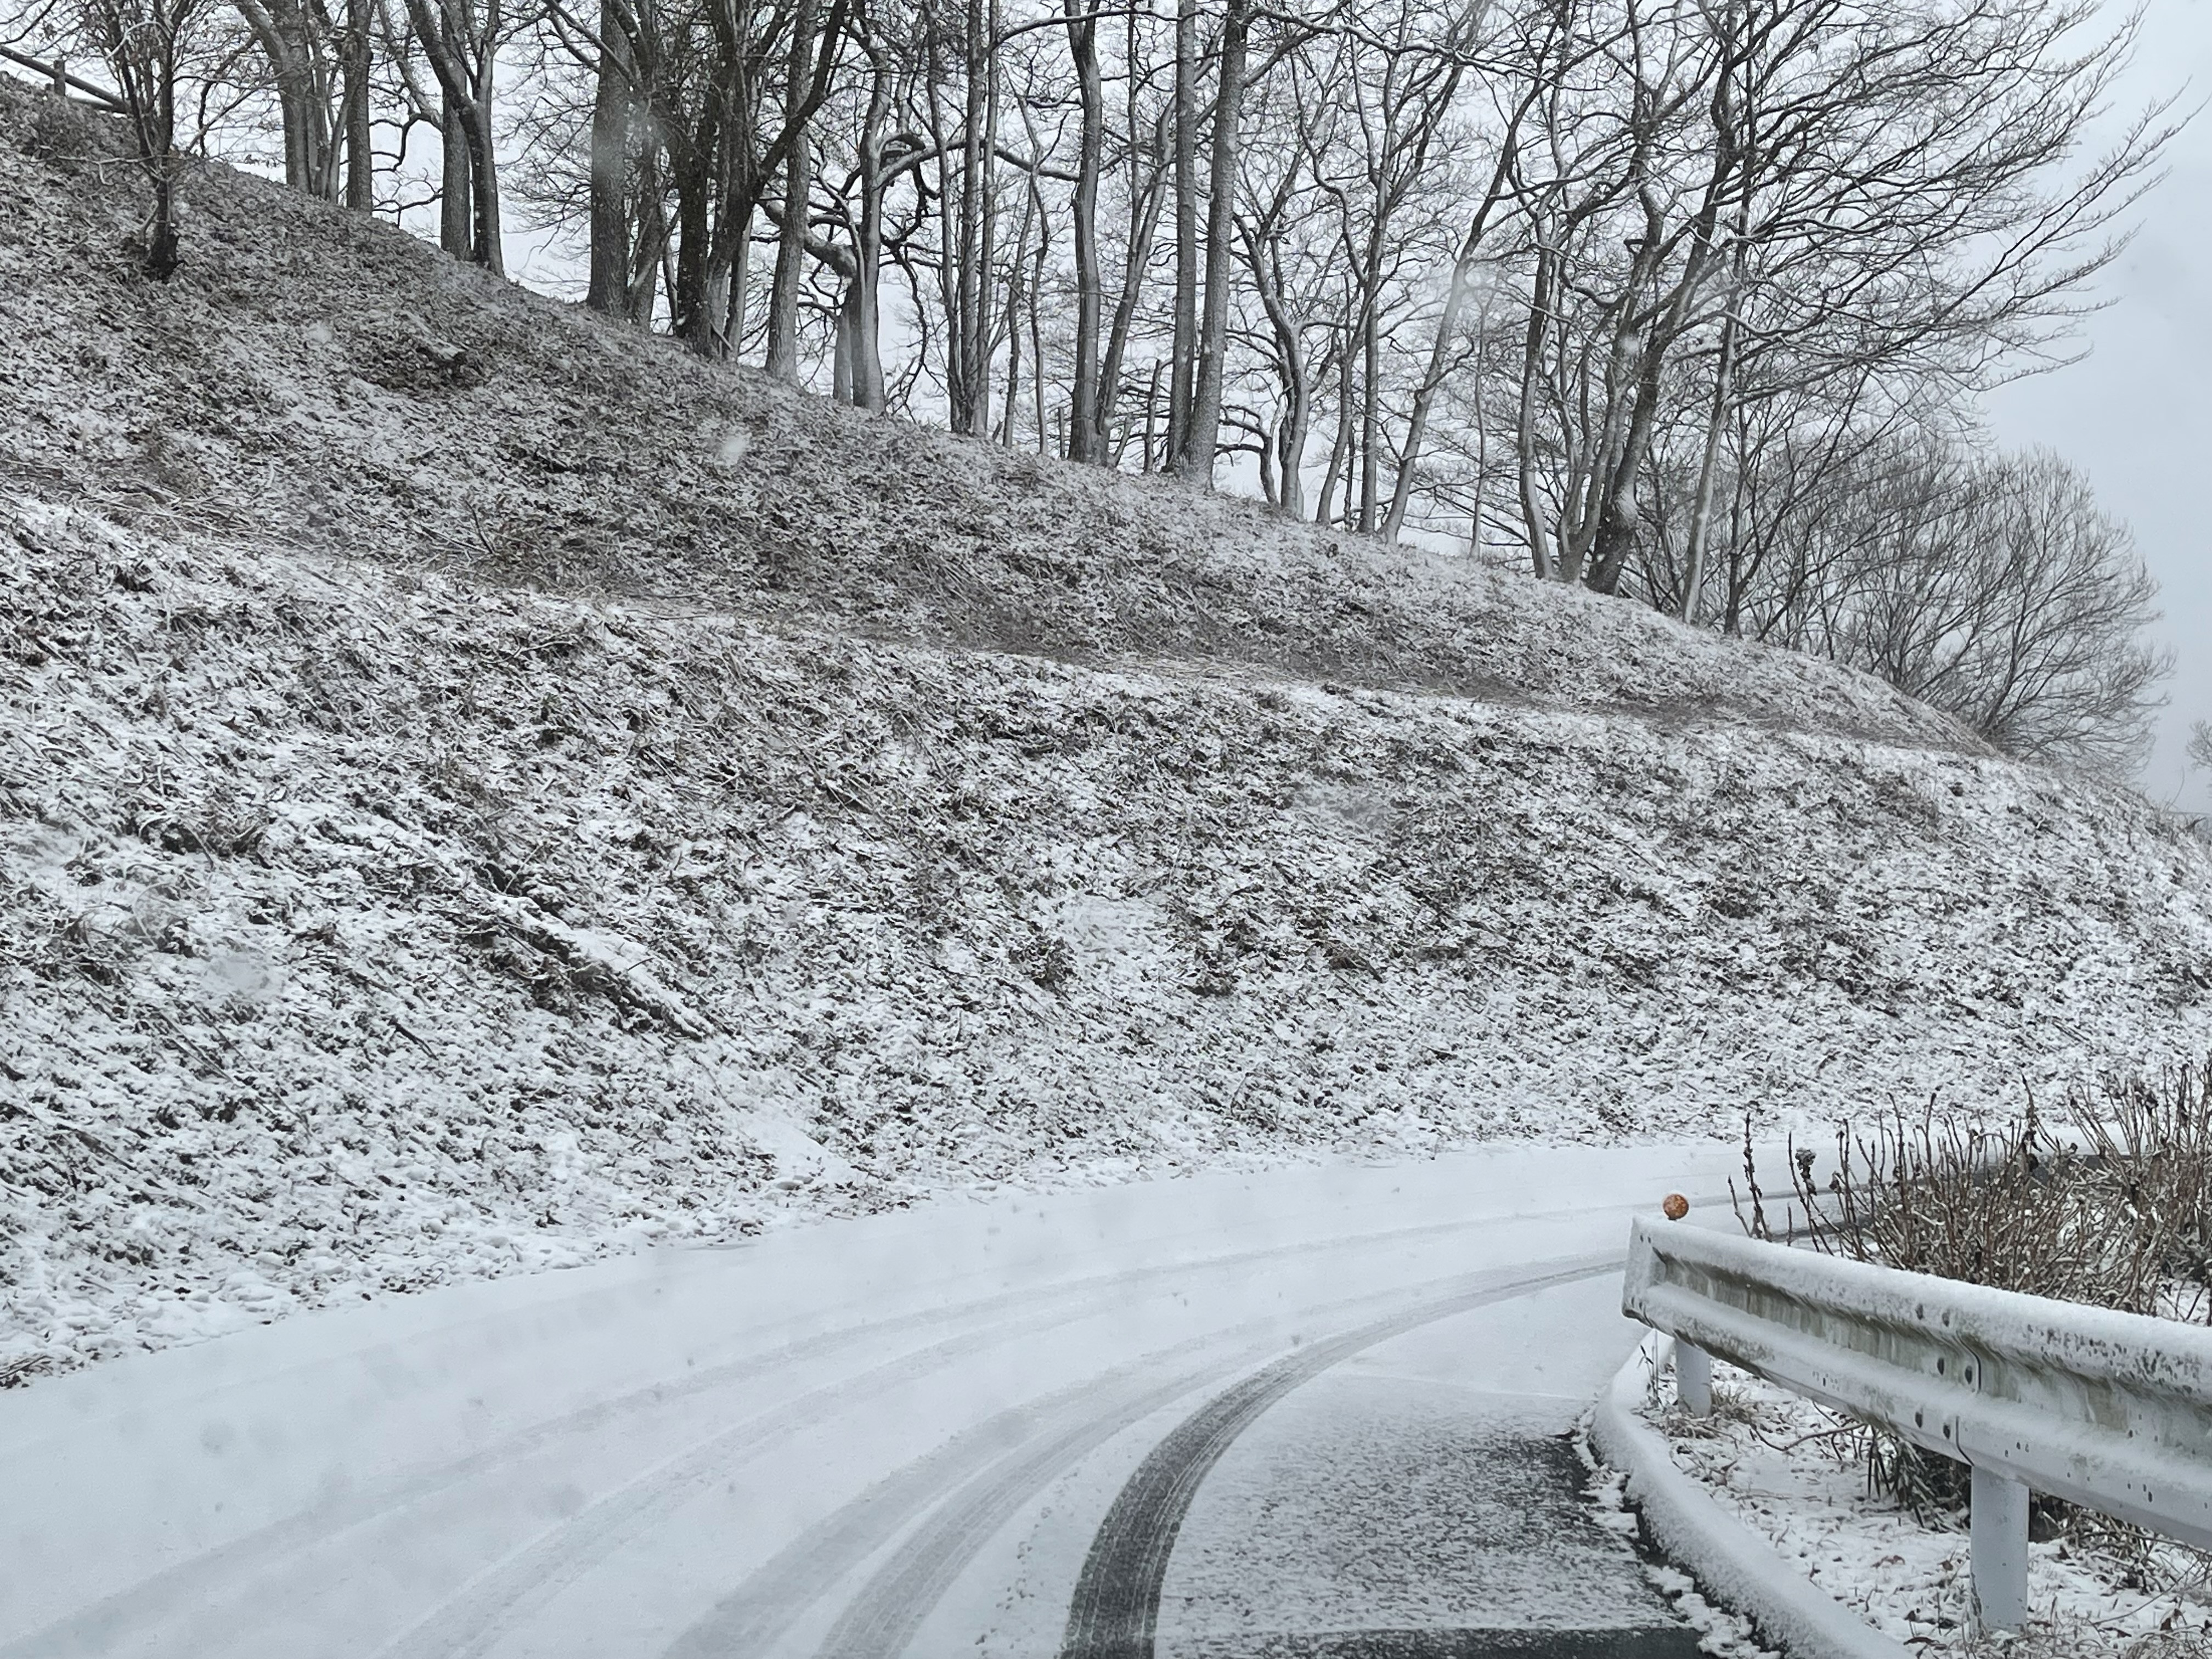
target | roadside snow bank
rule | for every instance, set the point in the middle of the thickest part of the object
(1732, 1562)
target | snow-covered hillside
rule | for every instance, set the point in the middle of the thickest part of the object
(459, 814)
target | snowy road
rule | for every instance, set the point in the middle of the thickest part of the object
(1308, 1412)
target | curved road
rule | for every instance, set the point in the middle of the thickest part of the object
(1304, 1413)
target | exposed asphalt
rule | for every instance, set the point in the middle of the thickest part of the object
(1392, 1507)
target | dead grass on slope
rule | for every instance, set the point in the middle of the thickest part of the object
(363, 930)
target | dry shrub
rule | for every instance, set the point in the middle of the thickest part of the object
(2170, 1643)
(19, 1370)
(2115, 1210)
(2148, 1165)
(57, 943)
(2005, 1205)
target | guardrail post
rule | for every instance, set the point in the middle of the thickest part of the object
(1693, 1378)
(1998, 1534)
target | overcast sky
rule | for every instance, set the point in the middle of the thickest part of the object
(2136, 413)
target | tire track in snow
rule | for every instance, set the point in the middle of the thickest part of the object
(997, 1467)
(187, 1586)
(1021, 1448)
(191, 1586)
(776, 1597)
(883, 1619)
(1115, 1611)
(469, 1623)
(473, 1620)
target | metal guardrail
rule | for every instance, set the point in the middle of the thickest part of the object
(57, 76)
(2109, 1410)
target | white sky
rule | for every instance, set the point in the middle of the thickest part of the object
(2137, 414)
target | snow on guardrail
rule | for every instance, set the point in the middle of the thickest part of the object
(2109, 1410)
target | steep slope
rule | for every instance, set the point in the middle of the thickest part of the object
(328, 384)
(368, 920)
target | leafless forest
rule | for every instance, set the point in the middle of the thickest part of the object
(1685, 300)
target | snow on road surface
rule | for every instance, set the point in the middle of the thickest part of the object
(1237, 1413)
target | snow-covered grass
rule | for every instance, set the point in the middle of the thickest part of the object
(1796, 1474)
(465, 815)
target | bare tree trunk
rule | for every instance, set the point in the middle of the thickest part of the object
(1532, 356)
(798, 187)
(456, 216)
(648, 254)
(1417, 426)
(1144, 228)
(1016, 279)
(782, 359)
(294, 39)
(1370, 412)
(1086, 437)
(969, 348)
(867, 280)
(1203, 437)
(844, 351)
(1036, 353)
(323, 104)
(1701, 509)
(986, 323)
(1185, 347)
(695, 183)
(162, 255)
(740, 278)
(1289, 439)
(1340, 450)
(1291, 449)
(359, 152)
(462, 49)
(1152, 404)
(484, 157)
(1037, 322)
(1615, 537)
(613, 103)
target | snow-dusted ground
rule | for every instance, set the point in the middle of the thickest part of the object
(363, 931)
(1725, 1633)
(906, 1428)
(462, 816)
(1794, 1473)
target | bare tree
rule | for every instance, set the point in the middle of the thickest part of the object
(1517, 67)
(1650, 286)
(460, 40)
(148, 46)
(319, 68)
(1989, 586)
(1845, 185)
